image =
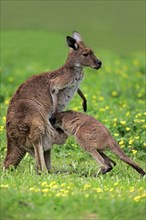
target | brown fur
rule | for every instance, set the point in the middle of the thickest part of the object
(39, 99)
(93, 137)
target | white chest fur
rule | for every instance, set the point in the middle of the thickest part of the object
(66, 94)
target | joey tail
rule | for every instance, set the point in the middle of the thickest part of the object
(115, 148)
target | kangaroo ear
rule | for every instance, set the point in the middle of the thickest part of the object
(77, 36)
(71, 42)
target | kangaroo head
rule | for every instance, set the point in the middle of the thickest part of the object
(62, 118)
(59, 118)
(81, 55)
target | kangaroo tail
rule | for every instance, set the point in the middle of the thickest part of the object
(115, 148)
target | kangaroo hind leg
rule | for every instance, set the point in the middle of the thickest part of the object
(107, 159)
(47, 155)
(35, 139)
(14, 155)
(105, 167)
(39, 157)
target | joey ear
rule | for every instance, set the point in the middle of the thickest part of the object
(71, 42)
(77, 36)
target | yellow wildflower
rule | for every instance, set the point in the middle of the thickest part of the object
(32, 189)
(139, 95)
(144, 126)
(127, 129)
(131, 141)
(127, 113)
(86, 186)
(37, 190)
(134, 151)
(99, 190)
(124, 105)
(1, 128)
(106, 107)
(115, 124)
(101, 98)
(116, 134)
(45, 190)
(138, 115)
(114, 93)
(122, 146)
(132, 189)
(121, 142)
(137, 198)
(52, 184)
(4, 119)
(123, 122)
(4, 186)
(102, 110)
(137, 137)
(115, 184)
(44, 184)
(7, 101)
(111, 189)
(94, 97)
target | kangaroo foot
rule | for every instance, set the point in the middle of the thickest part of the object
(105, 170)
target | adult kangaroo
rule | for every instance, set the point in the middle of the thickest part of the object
(39, 99)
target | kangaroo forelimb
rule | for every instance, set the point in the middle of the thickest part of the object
(84, 100)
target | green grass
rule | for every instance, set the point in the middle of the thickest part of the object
(116, 97)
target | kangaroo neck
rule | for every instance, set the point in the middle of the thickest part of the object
(72, 64)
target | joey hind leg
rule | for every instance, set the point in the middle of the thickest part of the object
(14, 155)
(107, 159)
(105, 167)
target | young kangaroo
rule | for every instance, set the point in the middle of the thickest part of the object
(93, 137)
(39, 99)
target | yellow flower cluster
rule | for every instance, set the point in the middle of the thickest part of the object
(114, 94)
(1, 128)
(4, 186)
(138, 198)
(7, 101)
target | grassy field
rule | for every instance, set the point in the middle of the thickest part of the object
(115, 97)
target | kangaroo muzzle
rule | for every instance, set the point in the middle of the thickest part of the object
(97, 64)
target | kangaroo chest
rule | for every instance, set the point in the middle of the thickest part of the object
(66, 94)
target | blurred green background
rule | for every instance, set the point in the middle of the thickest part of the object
(112, 25)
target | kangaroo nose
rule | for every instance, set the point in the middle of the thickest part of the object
(99, 63)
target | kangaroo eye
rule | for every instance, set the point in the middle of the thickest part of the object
(85, 54)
